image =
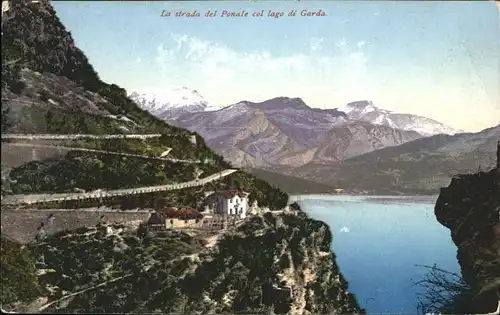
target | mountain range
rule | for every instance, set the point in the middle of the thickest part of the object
(359, 147)
(287, 132)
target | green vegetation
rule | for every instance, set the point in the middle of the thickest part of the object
(171, 272)
(186, 197)
(19, 282)
(52, 51)
(90, 172)
(141, 272)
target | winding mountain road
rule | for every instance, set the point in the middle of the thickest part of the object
(38, 198)
(77, 136)
(147, 157)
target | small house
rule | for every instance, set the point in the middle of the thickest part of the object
(174, 217)
(227, 202)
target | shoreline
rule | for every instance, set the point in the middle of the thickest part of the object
(363, 195)
(296, 197)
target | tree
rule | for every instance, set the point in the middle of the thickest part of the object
(19, 282)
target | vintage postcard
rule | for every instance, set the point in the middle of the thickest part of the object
(250, 157)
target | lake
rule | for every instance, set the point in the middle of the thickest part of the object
(379, 240)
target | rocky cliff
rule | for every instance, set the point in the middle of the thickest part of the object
(470, 208)
(279, 263)
(268, 264)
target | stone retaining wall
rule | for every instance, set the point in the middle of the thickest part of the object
(22, 225)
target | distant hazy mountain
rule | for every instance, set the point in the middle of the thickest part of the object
(287, 132)
(172, 102)
(367, 111)
(419, 166)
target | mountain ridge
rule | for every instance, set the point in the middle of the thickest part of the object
(359, 110)
(297, 134)
(420, 166)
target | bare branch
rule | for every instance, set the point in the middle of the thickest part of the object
(442, 291)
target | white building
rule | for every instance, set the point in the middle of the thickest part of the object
(228, 202)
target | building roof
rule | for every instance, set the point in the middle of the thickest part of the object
(187, 213)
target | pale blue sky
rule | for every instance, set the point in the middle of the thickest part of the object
(437, 59)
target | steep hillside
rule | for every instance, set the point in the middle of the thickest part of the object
(48, 86)
(420, 166)
(470, 208)
(124, 271)
(267, 264)
(290, 184)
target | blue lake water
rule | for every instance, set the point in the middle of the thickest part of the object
(379, 240)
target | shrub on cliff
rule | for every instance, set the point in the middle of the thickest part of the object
(19, 282)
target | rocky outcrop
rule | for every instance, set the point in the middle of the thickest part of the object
(275, 263)
(470, 208)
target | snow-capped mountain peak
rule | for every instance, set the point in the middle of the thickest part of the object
(367, 111)
(359, 107)
(172, 102)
